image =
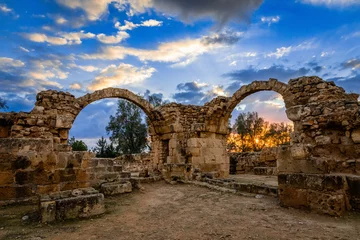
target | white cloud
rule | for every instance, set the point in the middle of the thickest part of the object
(280, 52)
(332, 3)
(94, 9)
(180, 52)
(62, 38)
(75, 86)
(130, 25)
(88, 68)
(112, 39)
(5, 9)
(9, 62)
(45, 69)
(270, 20)
(123, 74)
(324, 54)
(60, 20)
(38, 16)
(24, 49)
(233, 63)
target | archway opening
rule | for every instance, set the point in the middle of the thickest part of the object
(259, 126)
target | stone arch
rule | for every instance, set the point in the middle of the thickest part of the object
(257, 86)
(85, 100)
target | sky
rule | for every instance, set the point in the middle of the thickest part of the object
(189, 51)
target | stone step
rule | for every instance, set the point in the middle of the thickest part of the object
(116, 188)
(243, 187)
(265, 171)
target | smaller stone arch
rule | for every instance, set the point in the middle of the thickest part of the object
(257, 86)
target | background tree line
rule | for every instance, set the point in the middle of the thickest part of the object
(251, 133)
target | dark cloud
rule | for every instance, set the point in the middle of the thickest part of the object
(227, 38)
(352, 63)
(350, 83)
(189, 86)
(251, 74)
(315, 66)
(220, 11)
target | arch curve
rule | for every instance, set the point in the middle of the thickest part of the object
(257, 86)
(85, 100)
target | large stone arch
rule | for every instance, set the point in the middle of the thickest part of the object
(257, 86)
(89, 98)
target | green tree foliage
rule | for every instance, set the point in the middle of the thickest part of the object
(77, 145)
(3, 104)
(252, 133)
(104, 150)
(126, 129)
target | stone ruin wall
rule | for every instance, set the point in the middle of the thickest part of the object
(258, 163)
(319, 170)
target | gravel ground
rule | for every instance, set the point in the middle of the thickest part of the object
(163, 211)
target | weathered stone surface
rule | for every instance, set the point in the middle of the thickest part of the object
(115, 188)
(79, 203)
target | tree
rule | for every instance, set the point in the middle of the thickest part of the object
(3, 104)
(252, 133)
(104, 150)
(77, 145)
(126, 129)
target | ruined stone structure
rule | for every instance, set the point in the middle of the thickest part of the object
(258, 163)
(318, 171)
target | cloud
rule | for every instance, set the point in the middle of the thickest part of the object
(123, 74)
(332, 3)
(197, 93)
(352, 63)
(5, 9)
(180, 52)
(63, 38)
(9, 62)
(285, 51)
(227, 38)
(130, 25)
(112, 39)
(279, 72)
(88, 68)
(220, 11)
(270, 20)
(94, 9)
(60, 20)
(24, 49)
(280, 52)
(38, 37)
(75, 86)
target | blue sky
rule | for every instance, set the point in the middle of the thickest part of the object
(187, 50)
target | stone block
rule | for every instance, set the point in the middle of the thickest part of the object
(292, 197)
(355, 135)
(15, 192)
(333, 203)
(45, 189)
(299, 152)
(79, 203)
(6, 178)
(115, 188)
(354, 191)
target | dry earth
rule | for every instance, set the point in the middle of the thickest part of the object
(163, 211)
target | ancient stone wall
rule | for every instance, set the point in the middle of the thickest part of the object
(259, 163)
(188, 139)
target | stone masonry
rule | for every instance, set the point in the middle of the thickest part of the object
(319, 170)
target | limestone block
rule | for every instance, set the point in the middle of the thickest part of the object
(115, 188)
(6, 177)
(292, 197)
(355, 135)
(333, 203)
(299, 151)
(323, 140)
(63, 121)
(48, 211)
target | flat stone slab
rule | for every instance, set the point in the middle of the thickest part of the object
(267, 171)
(78, 203)
(115, 188)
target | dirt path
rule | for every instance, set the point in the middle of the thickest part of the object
(165, 211)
